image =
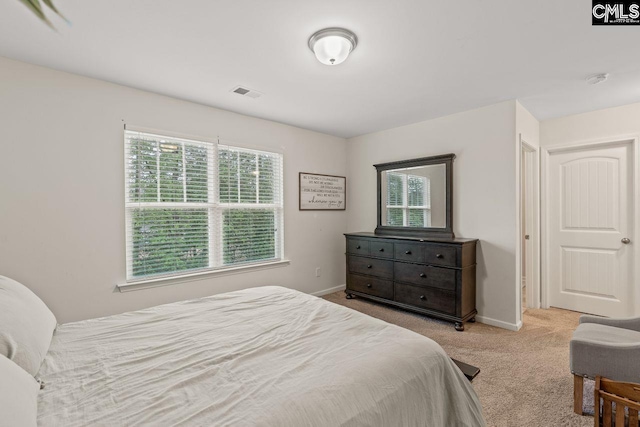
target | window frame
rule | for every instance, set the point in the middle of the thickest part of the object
(214, 206)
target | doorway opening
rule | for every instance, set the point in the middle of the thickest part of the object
(529, 228)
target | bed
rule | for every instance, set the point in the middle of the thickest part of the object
(266, 356)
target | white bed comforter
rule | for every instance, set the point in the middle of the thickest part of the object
(266, 356)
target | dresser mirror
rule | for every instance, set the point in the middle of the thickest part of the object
(415, 197)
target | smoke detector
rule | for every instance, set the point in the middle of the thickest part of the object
(597, 78)
(241, 90)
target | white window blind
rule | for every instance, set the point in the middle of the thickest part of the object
(193, 205)
(250, 193)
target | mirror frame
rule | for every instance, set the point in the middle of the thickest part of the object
(442, 233)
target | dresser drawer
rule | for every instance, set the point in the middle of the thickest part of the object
(429, 298)
(409, 252)
(381, 249)
(441, 255)
(358, 246)
(374, 267)
(370, 285)
(424, 275)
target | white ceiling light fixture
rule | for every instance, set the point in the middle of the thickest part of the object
(332, 45)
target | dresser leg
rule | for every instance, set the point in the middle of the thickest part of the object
(459, 326)
(472, 320)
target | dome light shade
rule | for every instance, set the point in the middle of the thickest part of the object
(332, 45)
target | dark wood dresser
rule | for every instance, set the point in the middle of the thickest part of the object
(436, 277)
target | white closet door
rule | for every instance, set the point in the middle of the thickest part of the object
(590, 218)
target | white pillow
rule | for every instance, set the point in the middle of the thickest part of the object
(18, 395)
(26, 325)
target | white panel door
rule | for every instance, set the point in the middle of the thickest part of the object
(590, 218)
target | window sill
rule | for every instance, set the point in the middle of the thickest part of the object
(173, 280)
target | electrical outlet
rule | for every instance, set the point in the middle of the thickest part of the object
(318, 272)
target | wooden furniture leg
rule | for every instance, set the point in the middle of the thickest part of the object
(578, 383)
(596, 402)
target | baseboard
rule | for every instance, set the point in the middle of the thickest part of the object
(519, 325)
(329, 291)
(499, 323)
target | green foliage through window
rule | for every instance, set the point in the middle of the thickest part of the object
(395, 217)
(249, 235)
(395, 193)
(415, 190)
(169, 240)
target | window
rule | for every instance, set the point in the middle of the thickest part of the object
(193, 205)
(408, 200)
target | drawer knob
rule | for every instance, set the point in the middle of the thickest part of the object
(368, 285)
(358, 247)
(381, 249)
(369, 266)
(422, 297)
(423, 275)
(407, 252)
(438, 255)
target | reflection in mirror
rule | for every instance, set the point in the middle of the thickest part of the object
(414, 197)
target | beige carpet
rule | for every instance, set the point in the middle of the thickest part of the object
(524, 378)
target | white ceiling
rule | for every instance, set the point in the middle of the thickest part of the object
(416, 59)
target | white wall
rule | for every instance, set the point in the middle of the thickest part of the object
(527, 126)
(595, 125)
(62, 179)
(62, 191)
(484, 191)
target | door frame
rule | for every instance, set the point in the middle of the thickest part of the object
(533, 289)
(532, 205)
(635, 191)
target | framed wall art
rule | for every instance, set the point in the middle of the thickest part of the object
(320, 192)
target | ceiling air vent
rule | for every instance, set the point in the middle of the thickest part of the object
(246, 92)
